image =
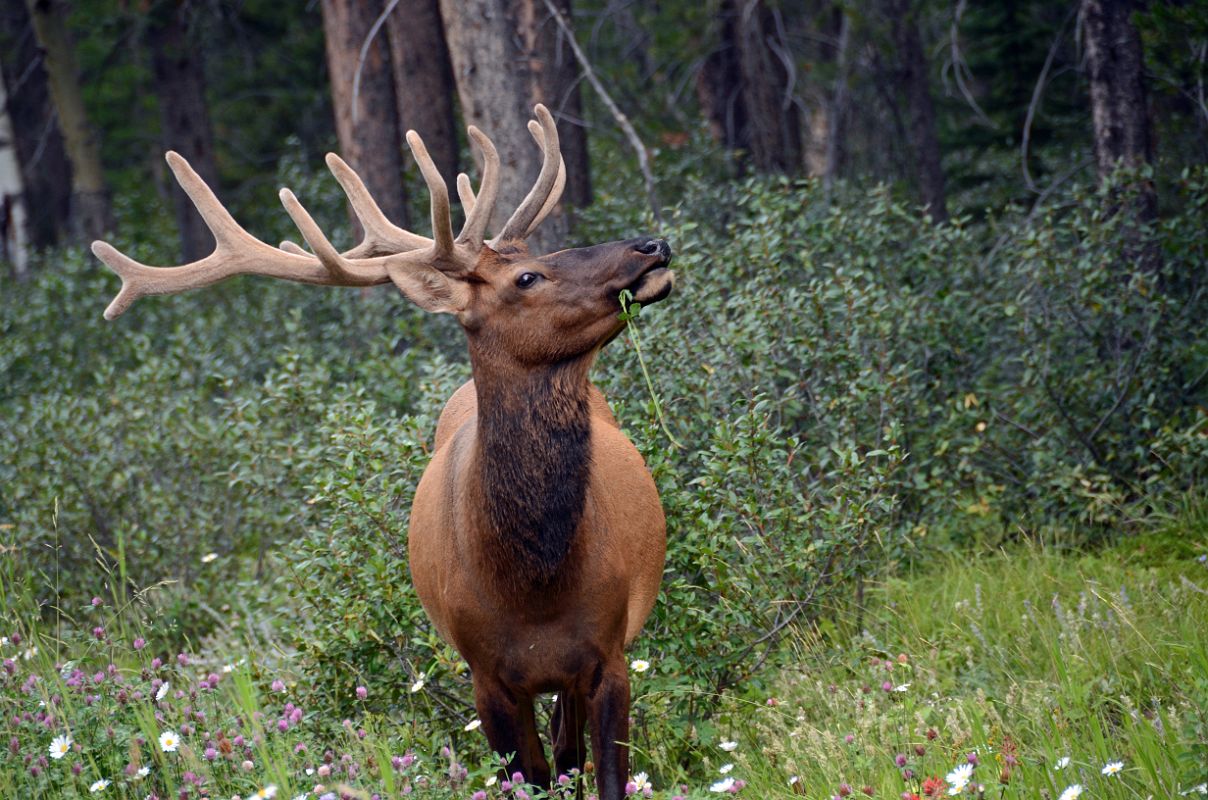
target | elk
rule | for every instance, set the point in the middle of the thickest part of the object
(537, 538)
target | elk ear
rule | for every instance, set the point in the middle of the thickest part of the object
(431, 289)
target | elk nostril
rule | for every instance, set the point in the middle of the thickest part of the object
(654, 247)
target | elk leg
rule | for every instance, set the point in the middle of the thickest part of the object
(511, 728)
(608, 708)
(566, 733)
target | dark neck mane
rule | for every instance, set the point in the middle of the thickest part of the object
(534, 460)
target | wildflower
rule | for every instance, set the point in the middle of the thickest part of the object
(639, 665)
(267, 792)
(641, 782)
(418, 685)
(902, 688)
(725, 768)
(958, 778)
(278, 685)
(1062, 762)
(362, 692)
(161, 691)
(99, 786)
(302, 796)
(169, 741)
(1112, 768)
(729, 747)
(1201, 788)
(60, 746)
(473, 725)
(900, 759)
(933, 787)
(142, 773)
(228, 668)
(723, 785)
(208, 557)
(1071, 792)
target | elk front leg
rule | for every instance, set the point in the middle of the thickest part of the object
(511, 729)
(608, 707)
(566, 733)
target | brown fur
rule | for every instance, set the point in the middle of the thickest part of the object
(537, 538)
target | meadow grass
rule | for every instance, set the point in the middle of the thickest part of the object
(1008, 663)
(1011, 662)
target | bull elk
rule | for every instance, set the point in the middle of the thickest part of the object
(537, 538)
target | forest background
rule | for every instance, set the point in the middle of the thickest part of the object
(941, 297)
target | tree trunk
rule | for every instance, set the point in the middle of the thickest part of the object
(556, 84)
(371, 138)
(494, 81)
(719, 86)
(773, 115)
(1119, 110)
(14, 221)
(179, 75)
(423, 82)
(35, 201)
(91, 216)
(915, 90)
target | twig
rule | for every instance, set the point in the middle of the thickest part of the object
(618, 115)
(373, 32)
(1037, 93)
(958, 65)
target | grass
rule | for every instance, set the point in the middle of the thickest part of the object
(1011, 661)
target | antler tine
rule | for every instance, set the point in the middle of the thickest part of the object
(381, 235)
(465, 193)
(480, 209)
(555, 194)
(442, 224)
(328, 256)
(236, 252)
(522, 218)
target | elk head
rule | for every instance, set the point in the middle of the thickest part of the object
(536, 309)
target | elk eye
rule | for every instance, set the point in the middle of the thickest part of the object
(526, 279)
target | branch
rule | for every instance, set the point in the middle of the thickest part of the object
(369, 37)
(1037, 93)
(617, 114)
(958, 66)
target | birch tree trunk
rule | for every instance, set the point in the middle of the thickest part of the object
(178, 72)
(367, 125)
(91, 215)
(14, 221)
(37, 198)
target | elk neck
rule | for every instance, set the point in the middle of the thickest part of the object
(533, 463)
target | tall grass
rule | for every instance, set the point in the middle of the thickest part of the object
(1013, 661)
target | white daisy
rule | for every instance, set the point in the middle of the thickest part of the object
(724, 785)
(729, 747)
(267, 792)
(142, 773)
(418, 685)
(161, 691)
(473, 725)
(639, 665)
(1071, 792)
(169, 741)
(960, 775)
(724, 768)
(1062, 762)
(491, 780)
(642, 781)
(1112, 768)
(99, 786)
(208, 557)
(228, 667)
(901, 688)
(60, 746)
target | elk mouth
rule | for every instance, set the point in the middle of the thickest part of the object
(653, 285)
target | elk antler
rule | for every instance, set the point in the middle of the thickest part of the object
(385, 253)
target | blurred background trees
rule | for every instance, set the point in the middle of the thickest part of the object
(964, 106)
